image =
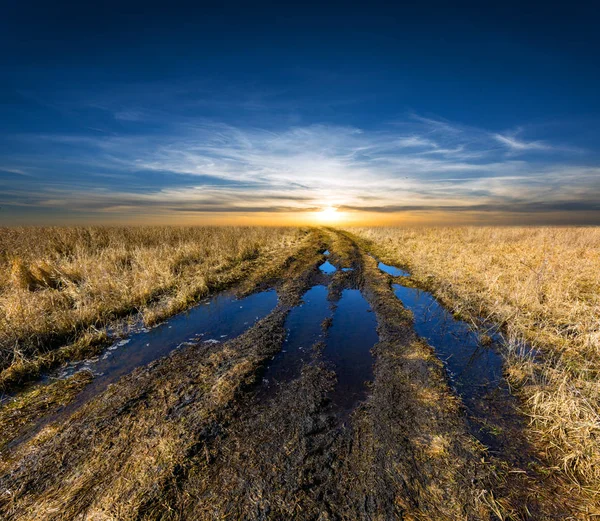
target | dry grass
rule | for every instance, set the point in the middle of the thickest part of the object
(17, 413)
(61, 285)
(125, 454)
(543, 286)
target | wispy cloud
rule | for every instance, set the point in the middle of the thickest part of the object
(515, 144)
(416, 142)
(14, 171)
(201, 165)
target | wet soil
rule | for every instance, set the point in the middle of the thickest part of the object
(332, 406)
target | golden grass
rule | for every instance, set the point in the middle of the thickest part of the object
(17, 413)
(543, 286)
(126, 453)
(60, 285)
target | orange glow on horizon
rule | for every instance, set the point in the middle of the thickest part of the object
(326, 216)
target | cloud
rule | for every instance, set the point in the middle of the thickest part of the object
(8, 171)
(515, 144)
(520, 207)
(416, 142)
(201, 165)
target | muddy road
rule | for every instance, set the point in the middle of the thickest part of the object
(319, 402)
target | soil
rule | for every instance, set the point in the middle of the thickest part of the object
(195, 436)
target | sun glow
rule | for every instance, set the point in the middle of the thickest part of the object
(329, 214)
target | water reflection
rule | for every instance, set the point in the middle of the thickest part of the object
(327, 268)
(350, 339)
(213, 321)
(303, 325)
(392, 270)
(475, 369)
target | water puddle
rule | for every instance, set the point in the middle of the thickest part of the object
(392, 270)
(352, 335)
(347, 269)
(326, 252)
(213, 321)
(304, 327)
(348, 343)
(474, 369)
(327, 268)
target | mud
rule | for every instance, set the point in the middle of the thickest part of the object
(331, 407)
(290, 457)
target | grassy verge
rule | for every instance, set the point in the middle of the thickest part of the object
(543, 286)
(60, 287)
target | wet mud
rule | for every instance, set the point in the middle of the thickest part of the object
(345, 398)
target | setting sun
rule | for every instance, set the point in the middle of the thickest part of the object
(329, 214)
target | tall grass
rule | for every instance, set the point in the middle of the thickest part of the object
(58, 283)
(543, 285)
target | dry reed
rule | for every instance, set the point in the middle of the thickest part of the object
(543, 286)
(58, 285)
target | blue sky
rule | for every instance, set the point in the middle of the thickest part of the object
(198, 113)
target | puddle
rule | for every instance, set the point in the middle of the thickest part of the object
(352, 335)
(392, 270)
(327, 268)
(304, 329)
(214, 321)
(476, 374)
(347, 269)
(475, 370)
(326, 252)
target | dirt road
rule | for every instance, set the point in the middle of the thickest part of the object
(329, 407)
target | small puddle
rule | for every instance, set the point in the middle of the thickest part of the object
(214, 321)
(352, 335)
(475, 370)
(392, 270)
(327, 268)
(326, 252)
(217, 320)
(304, 327)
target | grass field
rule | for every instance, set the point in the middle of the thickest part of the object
(543, 286)
(61, 286)
(190, 436)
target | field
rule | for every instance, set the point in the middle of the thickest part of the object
(318, 402)
(543, 286)
(60, 287)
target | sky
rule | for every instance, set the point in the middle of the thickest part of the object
(303, 113)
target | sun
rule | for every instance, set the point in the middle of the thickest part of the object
(328, 214)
